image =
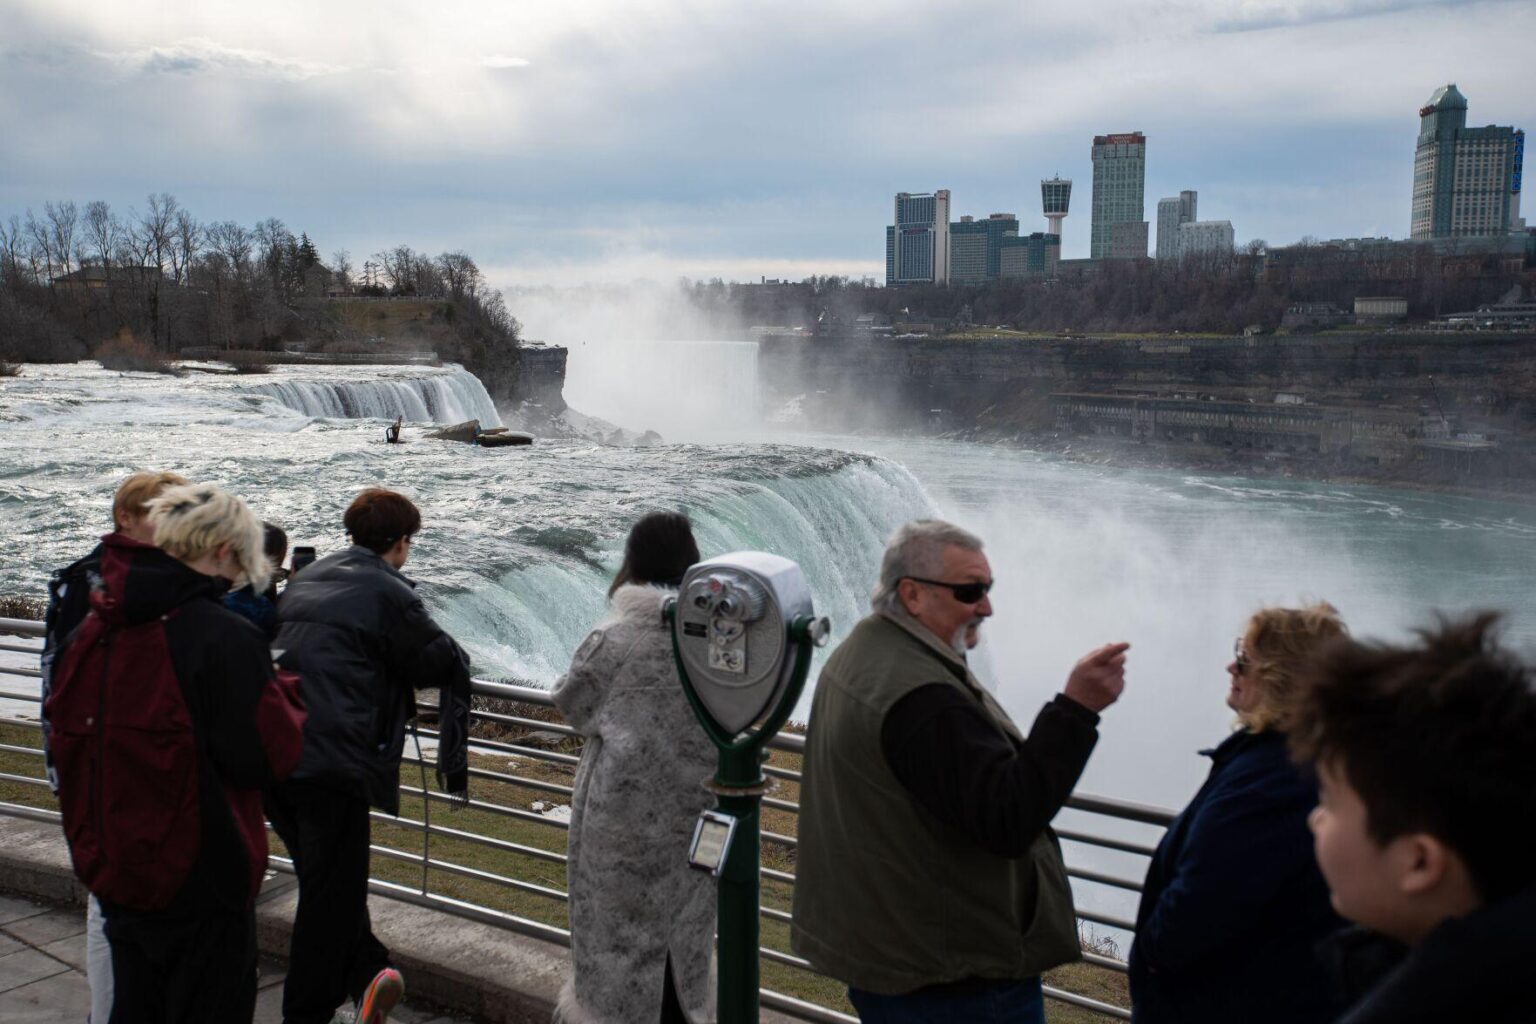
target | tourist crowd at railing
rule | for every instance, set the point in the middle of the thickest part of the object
(1360, 852)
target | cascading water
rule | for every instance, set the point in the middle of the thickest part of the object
(450, 396)
(518, 545)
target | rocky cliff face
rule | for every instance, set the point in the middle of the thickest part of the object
(1425, 390)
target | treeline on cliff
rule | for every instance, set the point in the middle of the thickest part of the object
(1216, 296)
(158, 279)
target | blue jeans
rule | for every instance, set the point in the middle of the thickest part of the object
(998, 1002)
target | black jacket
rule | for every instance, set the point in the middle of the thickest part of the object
(361, 641)
(1474, 968)
(1233, 906)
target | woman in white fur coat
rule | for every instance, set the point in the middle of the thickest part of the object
(642, 921)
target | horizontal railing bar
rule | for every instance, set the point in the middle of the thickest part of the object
(30, 698)
(511, 780)
(1107, 962)
(802, 1010)
(787, 774)
(1125, 809)
(460, 908)
(12, 748)
(505, 845)
(778, 876)
(510, 749)
(22, 627)
(30, 673)
(21, 648)
(788, 959)
(1102, 841)
(31, 813)
(24, 779)
(532, 724)
(532, 817)
(780, 840)
(1103, 879)
(1073, 999)
(775, 915)
(468, 872)
(781, 805)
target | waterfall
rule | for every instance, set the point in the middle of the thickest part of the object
(448, 397)
(833, 522)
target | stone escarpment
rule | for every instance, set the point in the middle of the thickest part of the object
(1425, 408)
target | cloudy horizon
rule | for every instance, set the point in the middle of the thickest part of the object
(654, 139)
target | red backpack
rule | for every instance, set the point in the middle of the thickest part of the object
(127, 761)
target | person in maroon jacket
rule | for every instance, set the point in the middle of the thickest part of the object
(168, 721)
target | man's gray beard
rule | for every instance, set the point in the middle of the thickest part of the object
(957, 641)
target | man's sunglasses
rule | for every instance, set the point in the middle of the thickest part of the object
(965, 593)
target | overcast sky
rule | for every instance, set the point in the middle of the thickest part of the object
(568, 140)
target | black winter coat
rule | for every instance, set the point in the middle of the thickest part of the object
(1475, 968)
(1234, 906)
(353, 628)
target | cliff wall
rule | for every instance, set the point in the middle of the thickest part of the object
(1368, 399)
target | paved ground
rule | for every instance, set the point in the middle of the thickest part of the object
(42, 971)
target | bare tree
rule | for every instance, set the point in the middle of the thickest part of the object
(102, 233)
(41, 248)
(186, 243)
(459, 273)
(341, 266)
(62, 220)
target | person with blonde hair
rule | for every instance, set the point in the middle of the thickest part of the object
(1234, 906)
(69, 602)
(168, 721)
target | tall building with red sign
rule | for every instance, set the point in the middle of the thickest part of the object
(1119, 228)
(1466, 181)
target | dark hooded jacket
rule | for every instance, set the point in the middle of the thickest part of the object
(1234, 906)
(156, 623)
(1474, 968)
(352, 626)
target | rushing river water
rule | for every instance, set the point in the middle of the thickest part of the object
(519, 543)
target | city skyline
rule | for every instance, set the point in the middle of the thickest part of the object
(573, 145)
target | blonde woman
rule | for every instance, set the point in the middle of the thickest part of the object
(168, 721)
(1233, 905)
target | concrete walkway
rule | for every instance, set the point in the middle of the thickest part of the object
(42, 971)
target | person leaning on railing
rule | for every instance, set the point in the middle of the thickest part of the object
(1233, 906)
(353, 628)
(927, 876)
(642, 921)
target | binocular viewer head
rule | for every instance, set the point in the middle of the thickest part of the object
(742, 626)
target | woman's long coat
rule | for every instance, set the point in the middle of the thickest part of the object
(639, 790)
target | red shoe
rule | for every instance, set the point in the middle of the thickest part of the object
(383, 993)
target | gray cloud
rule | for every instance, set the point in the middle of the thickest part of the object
(1261, 17)
(197, 56)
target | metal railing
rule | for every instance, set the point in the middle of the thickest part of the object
(14, 685)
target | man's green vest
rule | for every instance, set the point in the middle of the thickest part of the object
(887, 898)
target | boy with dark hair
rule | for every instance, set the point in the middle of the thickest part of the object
(1425, 827)
(353, 628)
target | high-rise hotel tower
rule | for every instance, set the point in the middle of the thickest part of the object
(1466, 181)
(1119, 229)
(917, 245)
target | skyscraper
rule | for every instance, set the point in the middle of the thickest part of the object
(1466, 181)
(1171, 213)
(975, 245)
(1119, 229)
(917, 245)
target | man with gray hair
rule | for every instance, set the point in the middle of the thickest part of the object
(927, 876)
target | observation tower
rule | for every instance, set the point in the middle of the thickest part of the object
(1056, 194)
